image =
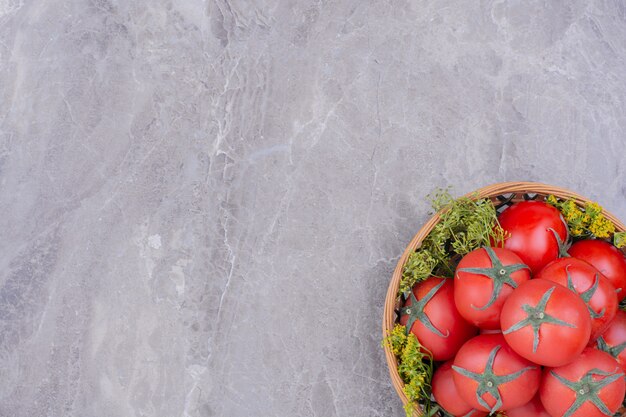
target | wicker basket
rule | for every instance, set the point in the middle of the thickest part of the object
(502, 195)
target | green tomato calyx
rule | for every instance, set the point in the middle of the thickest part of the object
(587, 389)
(536, 316)
(489, 382)
(498, 273)
(416, 311)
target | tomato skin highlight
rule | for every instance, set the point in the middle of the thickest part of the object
(557, 344)
(604, 300)
(472, 291)
(490, 331)
(446, 394)
(615, 335)
(529, 224)
(606, 258)
(442, 313)
(473, 356)
(533, 408)
(557, 398)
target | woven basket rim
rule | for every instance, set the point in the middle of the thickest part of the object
(489, 191)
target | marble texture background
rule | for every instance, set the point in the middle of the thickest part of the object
(202, 201)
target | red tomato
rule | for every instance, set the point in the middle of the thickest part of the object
(447, 396)
(593, 287)
(484, 278)
(606, 258)
(532, 226)
(490, 376)
(546, 323)
(533, 408)
(613, 340)
(429, 313)
(591, 386)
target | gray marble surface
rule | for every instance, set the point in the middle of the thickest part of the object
(201, 202)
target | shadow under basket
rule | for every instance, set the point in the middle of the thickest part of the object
(502, 195)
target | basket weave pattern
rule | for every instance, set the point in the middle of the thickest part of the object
(502, 195)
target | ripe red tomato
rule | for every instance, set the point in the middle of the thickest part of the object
(593, 287)
(447, 396)
(613, 340)
(533, 408)
(532, 226)
(484, 278)
(545, 322)
(429, 313)
(490, 376)
(591, 386)
(606, 258)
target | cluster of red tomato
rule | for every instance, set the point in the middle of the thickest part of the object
(527, 328)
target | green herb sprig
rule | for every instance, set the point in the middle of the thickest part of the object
(587, 221)
(415, 366)
(466, 224)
